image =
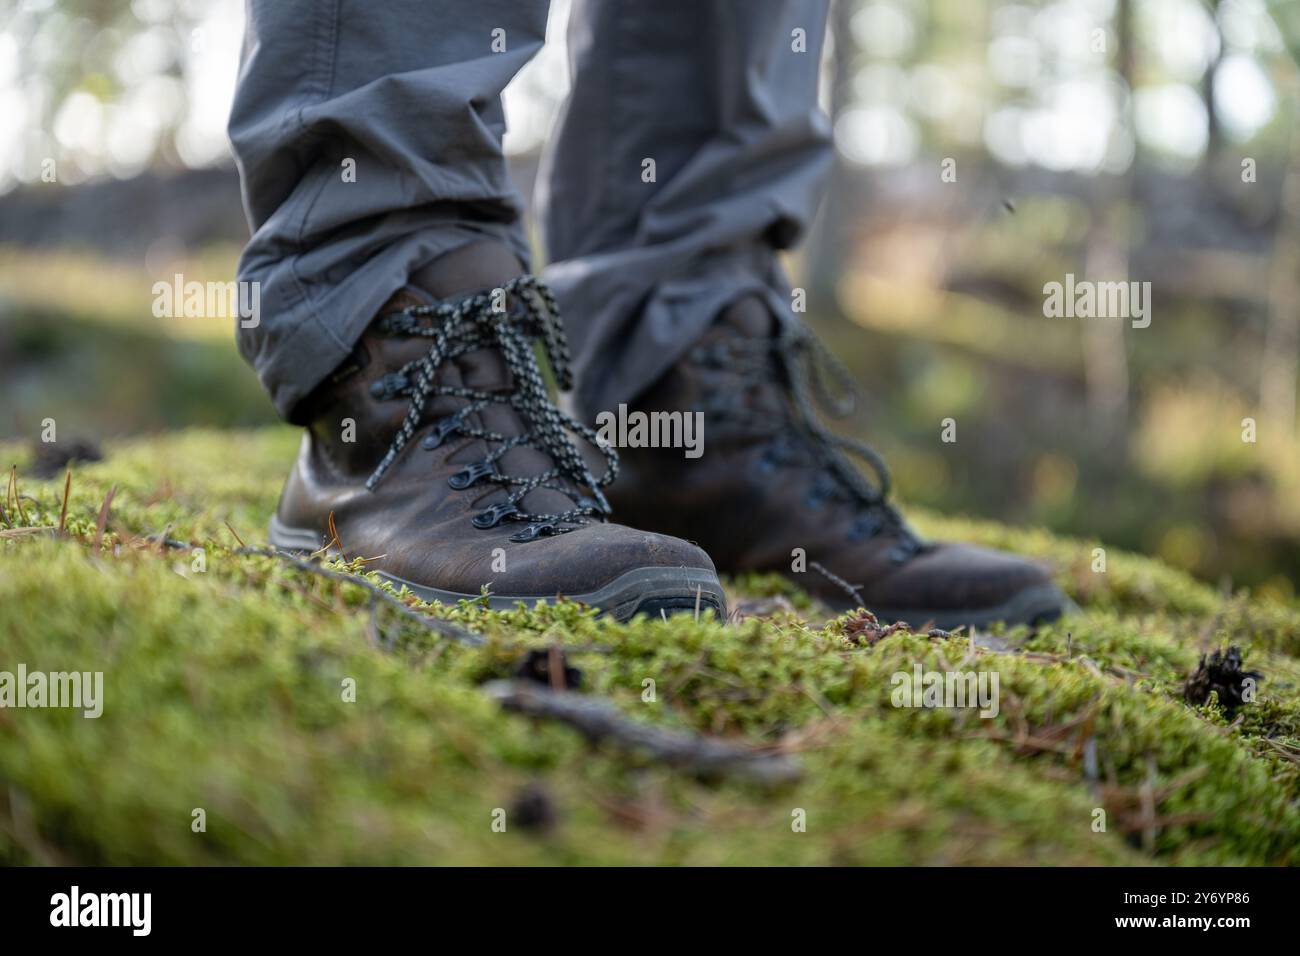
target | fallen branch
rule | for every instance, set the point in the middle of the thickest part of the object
(599, 720)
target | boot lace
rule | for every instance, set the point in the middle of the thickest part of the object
(478, 322)
(814, 379)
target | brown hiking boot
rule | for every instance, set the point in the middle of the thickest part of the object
(772, 480)
(441, 457)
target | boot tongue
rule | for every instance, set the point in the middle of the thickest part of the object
(465, 271)
(485, 370)
(750, 317)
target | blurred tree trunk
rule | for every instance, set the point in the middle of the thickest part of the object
(1105, 356)
(1277, 386)
(1213, 127)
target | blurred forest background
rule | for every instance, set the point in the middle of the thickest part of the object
(1153, 140)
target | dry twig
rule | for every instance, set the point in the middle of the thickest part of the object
(599, 720)
(839, 582)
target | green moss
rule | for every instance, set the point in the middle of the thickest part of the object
(224, 691)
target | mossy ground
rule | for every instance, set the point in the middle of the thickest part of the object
(223, 691)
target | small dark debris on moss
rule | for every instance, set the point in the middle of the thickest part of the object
(533, 809)
(50, 458)
(864, 629)
(1221, 673)
(549, 666)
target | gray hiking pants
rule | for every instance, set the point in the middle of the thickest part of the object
(368, 139)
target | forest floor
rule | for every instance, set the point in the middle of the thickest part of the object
(259, 711)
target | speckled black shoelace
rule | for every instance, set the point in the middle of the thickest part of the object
(809, 370)
(473, 324)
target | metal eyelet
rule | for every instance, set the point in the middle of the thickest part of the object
(440, 432)
(596, 503)
(391, 385)
(867, 526)
(493, 516)
(540, 529)
(472, 473)
(398, 323)
(900, 553)
(823, 487)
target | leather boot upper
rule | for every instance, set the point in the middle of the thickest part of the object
(776, 492)
(437, 510)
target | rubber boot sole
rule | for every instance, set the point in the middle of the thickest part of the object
(655, 590)
(1036, 605)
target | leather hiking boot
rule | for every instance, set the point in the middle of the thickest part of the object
(772, 480)
(438, 455)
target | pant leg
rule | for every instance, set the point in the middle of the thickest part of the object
(409, 91)
(718, 95)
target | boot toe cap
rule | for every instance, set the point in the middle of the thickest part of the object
(953, 584)
(619, 569)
